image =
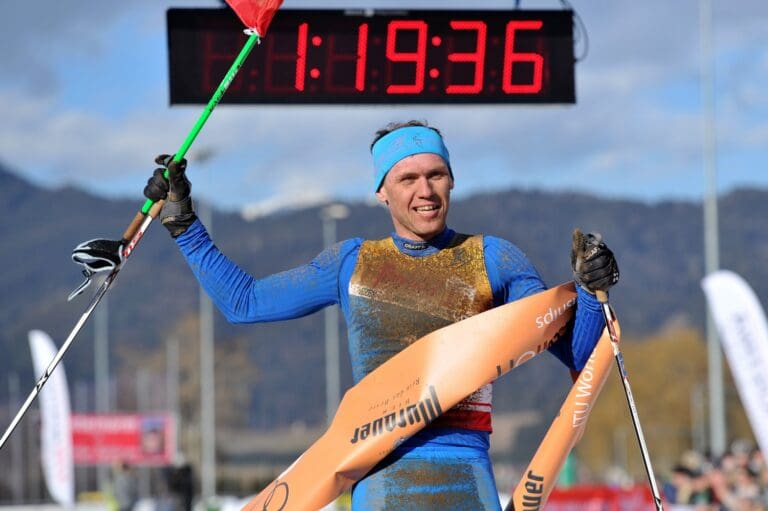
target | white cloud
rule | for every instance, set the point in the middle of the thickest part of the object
(293, 201)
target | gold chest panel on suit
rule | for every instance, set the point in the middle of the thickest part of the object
(396, 298)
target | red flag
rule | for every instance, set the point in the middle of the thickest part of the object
(256, 14)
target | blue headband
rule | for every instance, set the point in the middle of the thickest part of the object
(403, 142)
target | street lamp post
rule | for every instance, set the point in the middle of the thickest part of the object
(207, 384)
(330, 215)
(717, 430)
(207, 368)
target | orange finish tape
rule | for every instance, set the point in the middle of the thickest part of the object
(566, 430)
(411, 389)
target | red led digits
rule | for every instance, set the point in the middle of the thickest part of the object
(343, 50)
(362, 57)
(285, 63)
(477, 57)
(510, 58)
(301, 56)
(418, 57)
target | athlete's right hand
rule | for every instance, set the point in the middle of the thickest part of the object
(177, 214)
(176, 188)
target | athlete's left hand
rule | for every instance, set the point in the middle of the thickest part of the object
(594, 265)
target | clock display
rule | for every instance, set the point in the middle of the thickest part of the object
(377, 57)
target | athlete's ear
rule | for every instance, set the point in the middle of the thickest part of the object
(382, 196)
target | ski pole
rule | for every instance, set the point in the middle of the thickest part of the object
(602, 297)
(71, 337)
(134, 233)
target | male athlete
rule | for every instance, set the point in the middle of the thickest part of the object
(392, 292)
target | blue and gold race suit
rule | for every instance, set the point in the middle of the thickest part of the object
(393, 292)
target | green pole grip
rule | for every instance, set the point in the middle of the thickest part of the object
(215, 99)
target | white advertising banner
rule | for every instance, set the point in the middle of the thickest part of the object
(743, 332)
(56, 426)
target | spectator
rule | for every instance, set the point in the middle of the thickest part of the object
(679, 489)
(181, 485)
(737, 481)
(124, 486)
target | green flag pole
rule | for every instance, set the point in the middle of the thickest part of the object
(215, 99)
(253, 39)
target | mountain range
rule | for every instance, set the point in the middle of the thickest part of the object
(659, 247)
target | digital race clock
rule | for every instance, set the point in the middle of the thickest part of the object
(377, 57)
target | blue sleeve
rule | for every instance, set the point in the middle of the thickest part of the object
(510, 272)
(512, 276)
(244, 299)
(588, 323)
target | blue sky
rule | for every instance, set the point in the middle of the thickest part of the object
(84, 91)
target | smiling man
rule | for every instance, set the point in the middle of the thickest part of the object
(417, 187)
(392, 292)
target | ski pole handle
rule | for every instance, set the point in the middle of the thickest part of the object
(133, 227)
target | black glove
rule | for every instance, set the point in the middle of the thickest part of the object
(177, 214)
(157, 186)
(96, 256)
(593, 263)
(99, 255)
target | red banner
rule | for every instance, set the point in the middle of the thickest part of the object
(600, 498)
(148, 439)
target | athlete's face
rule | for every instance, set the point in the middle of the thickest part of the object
(417, 191)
